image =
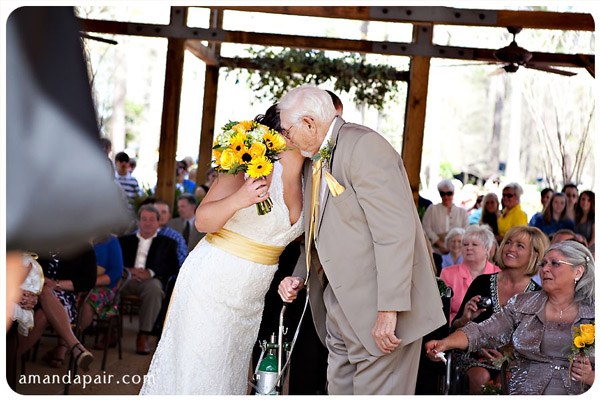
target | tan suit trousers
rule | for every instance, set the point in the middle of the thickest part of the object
(352, 370)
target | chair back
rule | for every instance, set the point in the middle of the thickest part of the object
(125, 278)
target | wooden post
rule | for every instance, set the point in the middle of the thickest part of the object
(416, 104)
(165, 186)
(209, 104)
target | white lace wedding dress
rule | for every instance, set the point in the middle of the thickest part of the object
(216, 308)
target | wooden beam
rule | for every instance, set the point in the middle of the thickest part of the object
(202, 52)
(252, 64)
(439, 15)
(209, 105)
(416, 105)
(547, 20)
(589, 63)
(165, 186)
(310, 42)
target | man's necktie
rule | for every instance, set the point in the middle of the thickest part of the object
(314, 210)
(186, 232)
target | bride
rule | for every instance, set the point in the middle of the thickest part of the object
(215, 311)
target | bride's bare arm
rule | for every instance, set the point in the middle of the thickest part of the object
(227, 195)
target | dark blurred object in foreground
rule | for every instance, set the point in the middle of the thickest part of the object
(60, 192)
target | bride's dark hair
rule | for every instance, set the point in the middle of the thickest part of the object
(270, 118)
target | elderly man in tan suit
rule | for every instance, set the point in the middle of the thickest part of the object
(371, 283)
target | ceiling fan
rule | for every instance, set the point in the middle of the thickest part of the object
(515, 56)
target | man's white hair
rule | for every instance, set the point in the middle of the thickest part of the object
(310, 101)
(445, 185)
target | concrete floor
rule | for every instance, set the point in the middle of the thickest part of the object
(127, 374)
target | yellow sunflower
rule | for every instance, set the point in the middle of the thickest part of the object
(274, 141)
(245, 155)
(228, 159)
(236, 143)
(259, 167)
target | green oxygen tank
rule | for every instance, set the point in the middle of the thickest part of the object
(266, 376)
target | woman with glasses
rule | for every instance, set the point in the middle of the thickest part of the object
(518, 257)
(541, 327)
(440, 218)
(512, 214)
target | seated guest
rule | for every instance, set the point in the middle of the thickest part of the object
(545, 196)
(152, 261)
(572, 193)
(490, 213)
(440, 218)
(475, 211)
(554, 216)
(518, 257)
(454, 246)
(128, 183)
(476, 244)
(186, 222)
(540, 327)
(512, 214)
(165, 230)
(585, 216)
(65, 277)
(100, 300)
(184, 185)
(564, 235)
(202, 189)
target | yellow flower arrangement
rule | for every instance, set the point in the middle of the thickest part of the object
(583, 340)
(249, 147)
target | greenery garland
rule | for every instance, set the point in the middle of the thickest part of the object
(373, 85)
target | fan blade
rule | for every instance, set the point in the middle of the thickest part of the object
(98, 38)
(550, 70)
(467, 64)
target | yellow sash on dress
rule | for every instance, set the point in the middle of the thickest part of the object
(245, 248)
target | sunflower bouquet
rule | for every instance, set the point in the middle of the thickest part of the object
(583, 340)
(250, 147)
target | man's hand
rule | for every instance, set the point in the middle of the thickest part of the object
(289, 288)
(139, 274)
(384, 331)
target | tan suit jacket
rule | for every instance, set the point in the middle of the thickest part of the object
(370, 242)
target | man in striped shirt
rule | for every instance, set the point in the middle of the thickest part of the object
(128, 183)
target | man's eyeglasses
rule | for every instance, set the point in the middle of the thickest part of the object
(286, 132)
(508, 195)
(446, 193)
(553, 263)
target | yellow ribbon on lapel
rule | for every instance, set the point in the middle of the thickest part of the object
(334, 187)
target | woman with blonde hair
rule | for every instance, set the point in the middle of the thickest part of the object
(518, 257)
(540, 327)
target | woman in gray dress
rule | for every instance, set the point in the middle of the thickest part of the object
(540, 326)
